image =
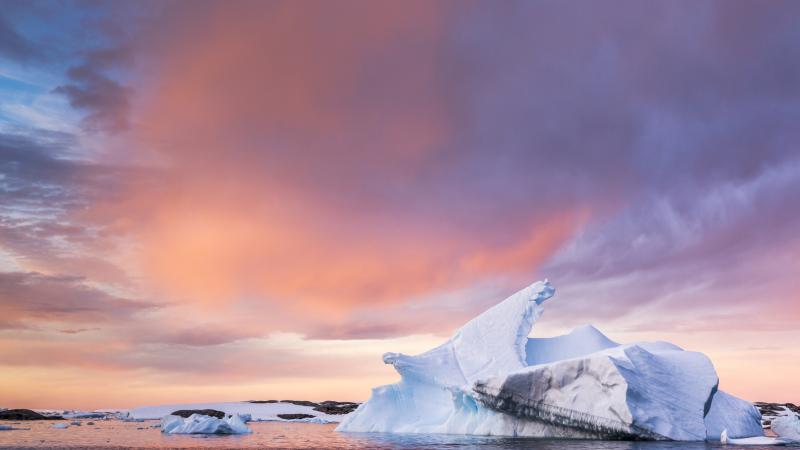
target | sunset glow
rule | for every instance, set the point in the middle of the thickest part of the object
(220, 201)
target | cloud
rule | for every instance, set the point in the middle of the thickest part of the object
(33, 298)
(15, 46)
(45, 190)
(77, 330)
(106, 100)
(314, 169)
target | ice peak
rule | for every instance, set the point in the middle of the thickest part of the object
(544, 290)
(588, 330)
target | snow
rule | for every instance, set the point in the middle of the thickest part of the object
(201, 424)
(579, 342)
(85, 415)
(491, 379)
(256, 411)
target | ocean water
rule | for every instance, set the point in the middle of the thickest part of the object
(113, 434)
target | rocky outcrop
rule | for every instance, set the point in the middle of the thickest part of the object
(327, 407)
(185, 413)
(300, 402)
(775, 408)
(336, 408)
(295, 416)
(25, 414)
(771, 410)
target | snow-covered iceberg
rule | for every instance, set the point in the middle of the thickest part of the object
(201, 424)
(490, 378)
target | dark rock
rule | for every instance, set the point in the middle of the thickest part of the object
(770, 410)
(262, 401)
(336, 408)
(206, 412)
(295, 416)
(300, 402)
(773, 408)
(25, 414)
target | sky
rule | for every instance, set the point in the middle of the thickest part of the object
(220, 201)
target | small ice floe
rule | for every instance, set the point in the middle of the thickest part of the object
(61, 426)
(315, 420)
(76, 423)
(756, 440)
(787, 427)
(126, 416)
(201, 424)
(6, 427)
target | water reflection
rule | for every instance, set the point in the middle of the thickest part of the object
(116, 435)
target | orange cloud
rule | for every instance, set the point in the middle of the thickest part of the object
(213, 256)
(302, 149)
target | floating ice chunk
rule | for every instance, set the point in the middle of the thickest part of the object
(61, 426)
(787, 427)
(491, 379)
(756, 440)
(200, 424)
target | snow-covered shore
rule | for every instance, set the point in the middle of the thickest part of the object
(260, 411)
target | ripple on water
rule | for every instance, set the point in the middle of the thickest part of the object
(113, 434)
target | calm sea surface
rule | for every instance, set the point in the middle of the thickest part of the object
(114, 434)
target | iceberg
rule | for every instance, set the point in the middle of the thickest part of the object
(201, 424)
(490, 378)
(787, 426)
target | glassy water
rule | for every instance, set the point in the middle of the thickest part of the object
(112, 434)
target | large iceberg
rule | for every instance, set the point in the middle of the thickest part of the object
(490, 378)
